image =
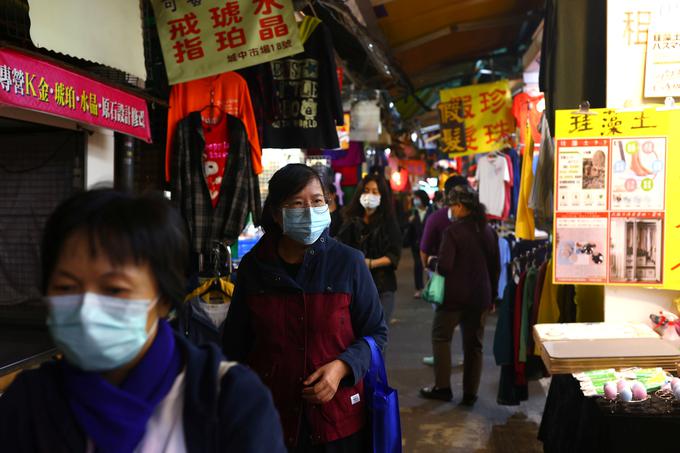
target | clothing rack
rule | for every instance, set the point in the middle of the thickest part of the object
(531, 258)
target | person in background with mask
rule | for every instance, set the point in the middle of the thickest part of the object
(438, 200)
(112, 268)
(419, 215)
(434, 229)
(302, 305)
(334, 208)
(371, 227)
(469, 260)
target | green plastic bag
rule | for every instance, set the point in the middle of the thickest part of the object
(434, 290)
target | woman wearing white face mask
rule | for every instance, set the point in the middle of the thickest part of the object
(371, 226)
(113, 266)
(302, 304)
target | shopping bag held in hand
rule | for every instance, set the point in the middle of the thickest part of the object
(383, 405)
(434, 290)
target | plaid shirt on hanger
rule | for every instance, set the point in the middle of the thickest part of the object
(239, 193)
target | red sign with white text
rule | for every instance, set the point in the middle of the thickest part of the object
(33, 84)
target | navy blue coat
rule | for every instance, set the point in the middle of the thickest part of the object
(35, 415)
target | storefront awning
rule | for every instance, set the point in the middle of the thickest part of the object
(31, 83)
(101, 31)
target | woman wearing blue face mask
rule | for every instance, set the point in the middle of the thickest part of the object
(113, 266)
(302, 304)
(371, 227)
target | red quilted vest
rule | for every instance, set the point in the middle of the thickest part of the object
(297, 333)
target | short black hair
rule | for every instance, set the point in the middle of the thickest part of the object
(383, 212)
(285, 183)
(424, 198)
(126, 228)
(453, 182)
(468, 197)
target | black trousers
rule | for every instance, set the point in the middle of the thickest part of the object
(356, 443)
(417, 269)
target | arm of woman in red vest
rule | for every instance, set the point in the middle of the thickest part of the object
(367, 320)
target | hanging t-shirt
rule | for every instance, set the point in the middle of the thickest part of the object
(215, 157)
(526, 106)
(524, 225)
(505, 257)
(493, 174)
(230, 93)
(307, 104)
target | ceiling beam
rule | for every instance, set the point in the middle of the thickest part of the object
(485, 24)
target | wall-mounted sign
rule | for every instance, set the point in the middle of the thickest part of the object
(30, 83)
(487, 115)
(615, 222)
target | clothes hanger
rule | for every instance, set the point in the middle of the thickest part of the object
(211, 107)
(216, 285)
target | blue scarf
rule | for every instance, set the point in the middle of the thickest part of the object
(113, 417)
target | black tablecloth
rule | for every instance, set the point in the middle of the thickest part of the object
(574, 423)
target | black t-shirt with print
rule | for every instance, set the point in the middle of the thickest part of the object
(307, 102)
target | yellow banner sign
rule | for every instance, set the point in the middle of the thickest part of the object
(615, 183)
(486, 112)
(201, 38)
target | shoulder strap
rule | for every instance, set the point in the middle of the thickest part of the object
(376, 374)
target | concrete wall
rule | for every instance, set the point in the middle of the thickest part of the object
(636, 304)
(99, 158)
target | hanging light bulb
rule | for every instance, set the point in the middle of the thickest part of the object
(414, 137)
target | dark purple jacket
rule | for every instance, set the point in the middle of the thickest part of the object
(469, 259)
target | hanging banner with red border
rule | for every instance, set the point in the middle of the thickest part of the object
(204, 38)
(34, 84)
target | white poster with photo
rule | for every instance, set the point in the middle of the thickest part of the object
(582, 175)
(662, 63)
(636, 247)
(638, 174)
(581, 248)
(630, 24)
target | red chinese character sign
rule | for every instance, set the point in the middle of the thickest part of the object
(201, 38)
(30, 83)
(484, 110)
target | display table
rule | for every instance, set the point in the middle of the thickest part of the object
(576, 347)
(575, 423)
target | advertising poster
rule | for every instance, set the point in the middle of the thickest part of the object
(581, 248)
(633, 74)
(662, 64)
(201, 38)
(486, 112)
(615, 221)
(638, 174)
(582, 174)
(34, 84)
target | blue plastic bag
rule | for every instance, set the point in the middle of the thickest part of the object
(383, 405)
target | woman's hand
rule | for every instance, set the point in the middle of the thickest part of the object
(323, 383)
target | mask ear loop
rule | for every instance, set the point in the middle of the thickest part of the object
(154, 326)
